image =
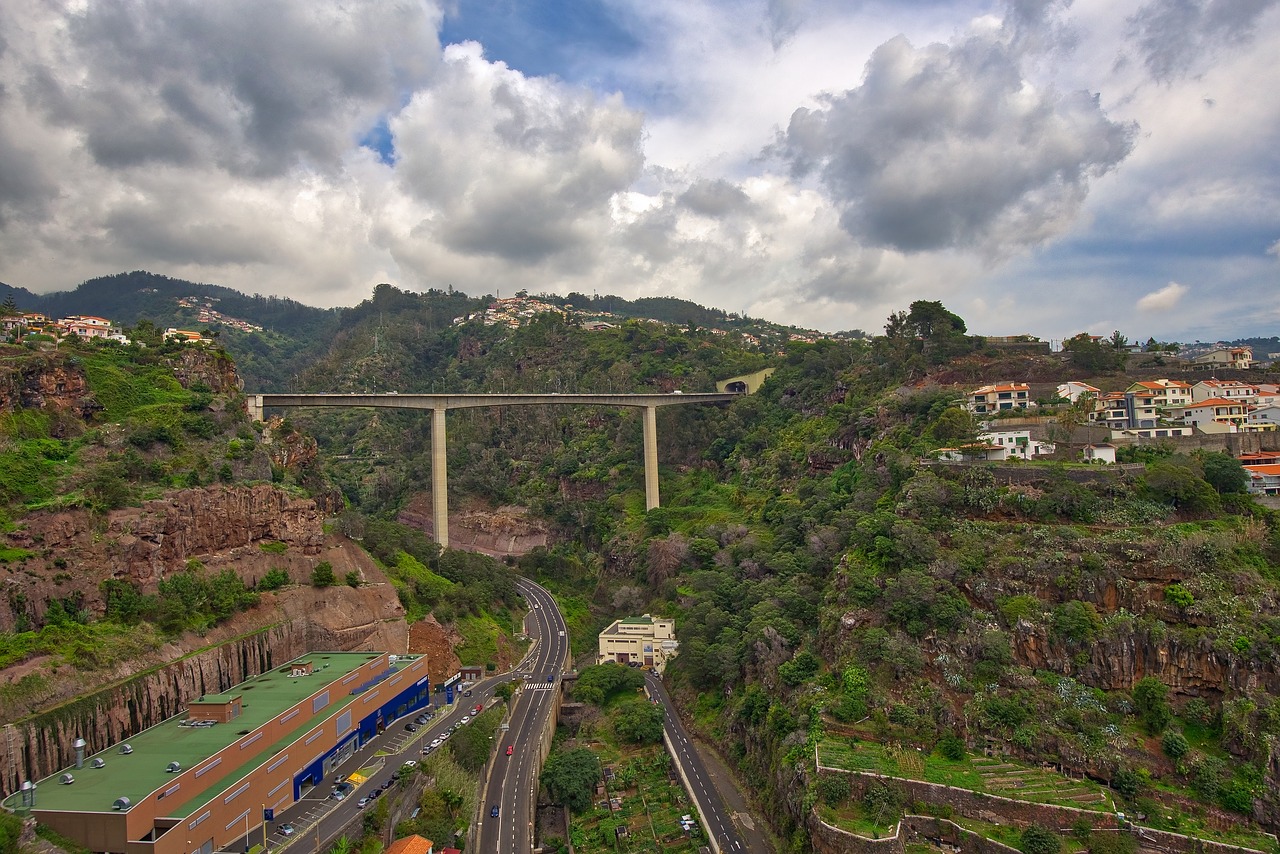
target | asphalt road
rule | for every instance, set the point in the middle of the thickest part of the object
(512, 784)
(716, 818)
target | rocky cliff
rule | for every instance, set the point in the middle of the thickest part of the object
(299, 620)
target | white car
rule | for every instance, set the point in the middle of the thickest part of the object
(466, 719)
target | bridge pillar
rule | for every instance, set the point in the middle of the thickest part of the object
(439, 478)
(253, 403)
(650, 457)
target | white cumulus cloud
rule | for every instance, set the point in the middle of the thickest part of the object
(1164, 299)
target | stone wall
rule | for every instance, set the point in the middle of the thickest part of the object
(1000, 810)
(925, 827)
(826, 839)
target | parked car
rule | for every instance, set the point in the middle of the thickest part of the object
(285, 829)
(466, 693)
(362, 803)
(466, 719)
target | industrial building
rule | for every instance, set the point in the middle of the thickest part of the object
(205, 778)
(643, 641)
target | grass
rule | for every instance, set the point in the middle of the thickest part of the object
(979, 774)
(479, 640)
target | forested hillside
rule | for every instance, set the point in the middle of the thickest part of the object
(836, 592)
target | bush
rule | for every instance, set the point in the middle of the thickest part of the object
(833, 789)
(1036, 839)
(1151, 699)
(950, 746)
(1112, 843)
(274, 579)
(1077, 622)
(1174, 745)
(352, 578)
(322, 575)
(1179, 595)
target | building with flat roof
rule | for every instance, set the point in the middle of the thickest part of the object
(203, 778)
(644, 641)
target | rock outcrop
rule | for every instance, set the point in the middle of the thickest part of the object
(501, 532)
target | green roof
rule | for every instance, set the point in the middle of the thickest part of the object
(142, 772)
(637, 621)
(219, 698)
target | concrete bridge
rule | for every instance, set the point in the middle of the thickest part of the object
(439, 404)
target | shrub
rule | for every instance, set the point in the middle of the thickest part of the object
(1179, 595)
(1174, 745)
(274, 579)
(322, 575)
(833, 789)
(352, 578)
(1151, 699)
(1112, 843)
(1077, 622)
(1036, 839)
(951, 747)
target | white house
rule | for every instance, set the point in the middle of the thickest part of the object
(1264, 480)
(1018, 443)
(1225, 389)
(1072, 389)
(999, 397)
(1102, 452)
(1215, 415)
(1269, 414)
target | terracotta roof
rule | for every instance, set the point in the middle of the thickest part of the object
(987, 389)
(410, 845)
(1271, 470)
(1214, 401)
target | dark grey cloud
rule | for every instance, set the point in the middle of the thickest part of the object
(25, 189)
(1175, 36)
(255, 87)
(715, 198)
(948, 146)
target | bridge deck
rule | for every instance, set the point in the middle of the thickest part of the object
(469, 401)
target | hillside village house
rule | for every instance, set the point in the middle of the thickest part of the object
(1215, 415)
(1017, 443)
(1225, 389)
(187, 336)
(1000, 397)
(641, 641)
(1269, 414)
(974, 452)
(1264, 480)
(1072, 389)
(1231, 357)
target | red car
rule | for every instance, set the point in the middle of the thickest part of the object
(511, 748)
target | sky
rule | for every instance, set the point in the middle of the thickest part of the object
(1039, 167)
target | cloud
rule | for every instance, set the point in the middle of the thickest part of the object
(1164, 299)
(949, 146)
(1176, 37)
(1274, 249)
(253, 86)
(782, 19)
(525, 168)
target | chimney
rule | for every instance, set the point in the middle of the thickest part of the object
(79, 746)
(28, 793)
